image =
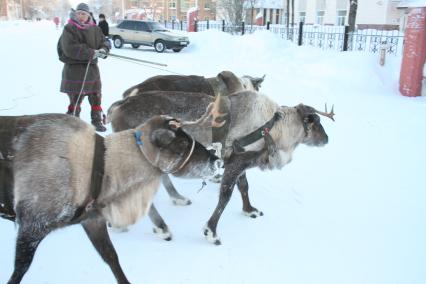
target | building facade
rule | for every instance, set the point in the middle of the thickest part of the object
(378, 14)
(10, 10)
(169, 10)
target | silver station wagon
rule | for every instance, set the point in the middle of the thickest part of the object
(137, 33)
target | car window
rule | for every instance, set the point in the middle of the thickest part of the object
(157, 27)
(128, 25)
(141, 26)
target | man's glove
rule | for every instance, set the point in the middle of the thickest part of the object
(100, 53)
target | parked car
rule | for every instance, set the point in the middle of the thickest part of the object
(137, 33)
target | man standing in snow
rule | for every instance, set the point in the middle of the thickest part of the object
(103, 24)
(79, 47)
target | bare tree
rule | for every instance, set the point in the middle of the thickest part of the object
(353, 6)
(233, 10)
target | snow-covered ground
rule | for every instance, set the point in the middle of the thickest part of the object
(352, 212)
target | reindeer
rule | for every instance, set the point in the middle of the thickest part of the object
(224, 83)
(260, 133)
(57, 172)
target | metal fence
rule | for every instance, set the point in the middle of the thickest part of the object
(324, 37)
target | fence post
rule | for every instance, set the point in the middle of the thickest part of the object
(196, 26)
(181, 25)
(267, 25)
(223, 25)
(300, 41)
(346, 39)
(243, 26)
(208, 24)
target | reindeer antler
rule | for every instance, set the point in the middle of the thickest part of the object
(327, 114)
(215, 113)
(212, 111)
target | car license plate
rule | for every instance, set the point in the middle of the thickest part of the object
(183, 43)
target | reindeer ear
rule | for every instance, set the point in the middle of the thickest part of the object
(162, 137)
(304, 110)
(257, 82)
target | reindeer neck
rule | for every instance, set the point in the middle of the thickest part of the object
(125, 165)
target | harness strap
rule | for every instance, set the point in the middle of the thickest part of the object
(186, 160)
(258, 133)
(138, 138)
(98, 170)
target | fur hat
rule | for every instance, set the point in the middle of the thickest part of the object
(83, 7)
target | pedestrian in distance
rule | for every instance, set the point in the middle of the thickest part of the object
(56, 20)
(80, 45)
(103, 24)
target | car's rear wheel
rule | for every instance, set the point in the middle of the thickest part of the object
(118, 42)
(177, 49)
(160, 45)
(135, 45)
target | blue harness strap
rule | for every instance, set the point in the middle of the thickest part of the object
(138, 135)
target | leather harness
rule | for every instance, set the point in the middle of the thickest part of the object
(98, 170)
(257, 134)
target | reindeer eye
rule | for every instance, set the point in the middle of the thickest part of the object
(309, 119)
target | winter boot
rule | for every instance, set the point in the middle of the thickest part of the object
(98, 120)
(71, 109)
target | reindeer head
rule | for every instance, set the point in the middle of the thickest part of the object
(314, 132)
(169, 148)
(252, 83)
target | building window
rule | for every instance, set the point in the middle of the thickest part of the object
(320, 17)
(341, 17)
(172, 5)
(184, 5)
(302, 16)
(207, 5)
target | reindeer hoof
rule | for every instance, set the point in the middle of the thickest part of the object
(211, 237)
(181, 201)
(253, 213)
(163, 233)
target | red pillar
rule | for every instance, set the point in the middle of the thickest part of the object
(414, 56)
(191, 17)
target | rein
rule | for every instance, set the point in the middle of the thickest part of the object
(258, 133)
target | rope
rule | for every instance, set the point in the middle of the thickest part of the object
(82, 87)
(202, 186)
(158, 68)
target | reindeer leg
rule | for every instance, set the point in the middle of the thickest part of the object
(235, 166)
(171, 190)
(226, 188)
(30, 234)
(161, 228)
(248, 210)
(96, 230)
